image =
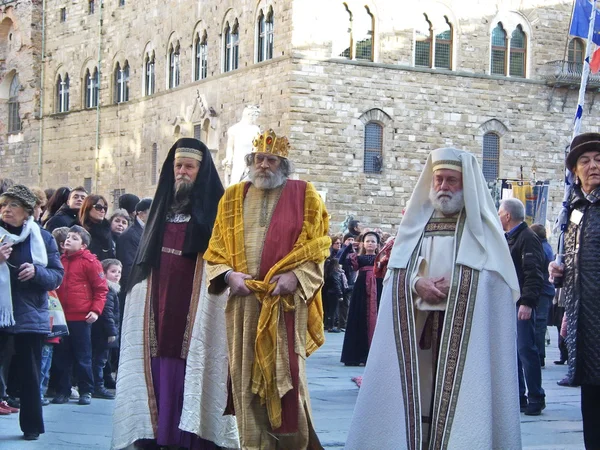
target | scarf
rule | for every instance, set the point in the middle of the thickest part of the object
(39, 256)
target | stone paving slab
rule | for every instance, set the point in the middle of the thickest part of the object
(333, 394)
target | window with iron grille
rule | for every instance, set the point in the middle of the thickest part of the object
(122, 83)
(91, 7)
(116, 193)
(14, 118)
(373, 162)
(174, 66)
(201, 62)
(576, 51)
(443, 48)
(518, 50)
(154, 175)
(347, 53)
(499, 47)
(491, 156)
(364, 43)
(198, 132)
(423, 39)
(92, 93)
(62, 91)
(87, 184)
(149, 74)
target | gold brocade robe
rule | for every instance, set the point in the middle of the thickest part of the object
(256, 329)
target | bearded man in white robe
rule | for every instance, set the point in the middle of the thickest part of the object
(441, 372)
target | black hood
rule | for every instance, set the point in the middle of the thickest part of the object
(206, 193)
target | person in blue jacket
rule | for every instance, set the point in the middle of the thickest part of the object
(29, 267)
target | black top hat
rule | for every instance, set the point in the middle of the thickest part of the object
(585, 142)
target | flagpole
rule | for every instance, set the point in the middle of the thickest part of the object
(585, 71)
(563, 218)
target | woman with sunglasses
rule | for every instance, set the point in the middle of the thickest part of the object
(92, 217)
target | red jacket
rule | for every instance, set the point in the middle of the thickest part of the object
(84, 286)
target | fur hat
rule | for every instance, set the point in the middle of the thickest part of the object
(23, 195)
(585, 142)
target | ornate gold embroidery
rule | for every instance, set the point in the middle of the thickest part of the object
(147, 346)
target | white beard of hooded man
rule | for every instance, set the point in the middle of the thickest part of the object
(451, 381)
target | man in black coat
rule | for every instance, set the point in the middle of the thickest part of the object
(68, 214)
(529, 259)
(128, 244)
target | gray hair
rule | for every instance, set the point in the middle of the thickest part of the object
(286, 166)
(119, 213)
(515, 208)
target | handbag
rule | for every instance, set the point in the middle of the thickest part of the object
(58, 321)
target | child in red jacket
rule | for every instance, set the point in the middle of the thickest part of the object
(82, 295)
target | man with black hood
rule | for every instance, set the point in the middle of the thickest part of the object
(172, 379)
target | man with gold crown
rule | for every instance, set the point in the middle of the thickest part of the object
(172, 379)
(268, 246)
(442, 370)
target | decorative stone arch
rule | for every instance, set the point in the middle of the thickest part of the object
(6, 36)
(230, 15)
(5, 84)
(495, 126)
(384, 120)
(119, 57)
(88, 64)
(376, 115)
(440, 14)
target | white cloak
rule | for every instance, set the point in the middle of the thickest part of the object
(485, 411)
(205, 391)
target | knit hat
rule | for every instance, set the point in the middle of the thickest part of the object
(143, 205)
(128, 202)
(348, 236)
(23, 195)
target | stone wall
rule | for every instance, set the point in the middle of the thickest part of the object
(20, 56)
(321, 100)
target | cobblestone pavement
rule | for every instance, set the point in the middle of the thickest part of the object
(333, 394)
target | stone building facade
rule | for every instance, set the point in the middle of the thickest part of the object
(363, 89)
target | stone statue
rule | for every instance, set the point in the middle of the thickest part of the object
(239, 144)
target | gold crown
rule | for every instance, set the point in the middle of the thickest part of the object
(268, 142)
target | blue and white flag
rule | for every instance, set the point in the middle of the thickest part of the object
(581, 21)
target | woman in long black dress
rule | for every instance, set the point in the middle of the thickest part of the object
(362, 315)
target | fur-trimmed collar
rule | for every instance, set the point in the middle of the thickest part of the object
(115, 287)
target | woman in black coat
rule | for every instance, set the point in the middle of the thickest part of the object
(29, 268)
(92, 217)
(334, 293)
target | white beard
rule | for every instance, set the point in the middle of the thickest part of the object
(446, 202)
(266, 180)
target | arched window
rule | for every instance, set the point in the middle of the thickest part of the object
(423, 41)
(270, 34)
(347, 53)
(499, 50)
(14, 119)
(443, 47)
(364, 38)
(201, 61)
(373, 158)
(174, 65)
(261, 35)
(264, 36)
(92, 91)
(491, 156)
(518, 51)
(576, 51)
(62, 94)
(231, 43)
(121, 79)
(149, 74)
